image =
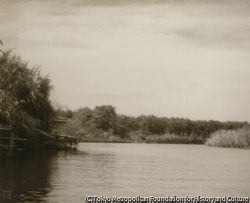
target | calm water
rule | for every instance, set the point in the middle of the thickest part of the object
(103, 169)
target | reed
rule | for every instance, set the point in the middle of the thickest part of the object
(239, 138)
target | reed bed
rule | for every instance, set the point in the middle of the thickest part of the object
(239, 138)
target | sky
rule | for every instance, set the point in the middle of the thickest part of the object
(171, 58)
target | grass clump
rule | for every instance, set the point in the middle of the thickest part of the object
(239, 138)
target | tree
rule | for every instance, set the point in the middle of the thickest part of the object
(85, 115)
(24, 97)
(104, 117)
(122, 126)
(153, 125)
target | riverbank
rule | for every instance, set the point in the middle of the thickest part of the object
(239, 138)
(103, 124)
(133, 138)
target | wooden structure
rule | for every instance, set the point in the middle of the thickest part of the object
(61, 120)
(8, 142)
(57, 138)
(62, 141)
(71, 141)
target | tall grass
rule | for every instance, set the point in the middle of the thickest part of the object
(173, 139)
(239, 138)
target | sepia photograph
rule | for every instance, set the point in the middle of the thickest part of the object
(125, 101)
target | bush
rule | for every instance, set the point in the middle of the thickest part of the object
(239, 138)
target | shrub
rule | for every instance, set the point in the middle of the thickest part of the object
(239, 138)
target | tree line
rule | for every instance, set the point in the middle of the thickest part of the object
(25, 105)
(105, 119)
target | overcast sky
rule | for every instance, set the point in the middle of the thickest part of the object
(187, 59)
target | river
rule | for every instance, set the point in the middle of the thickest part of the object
(112, 169)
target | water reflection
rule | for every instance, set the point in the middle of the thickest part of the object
(126, 170)
(28, 176)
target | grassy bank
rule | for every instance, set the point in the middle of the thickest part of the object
(239, 138)
(140, 138)
(173, 139)
(107, 139)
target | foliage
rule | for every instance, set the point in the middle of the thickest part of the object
(24, 97)
(122, 126)
(239, 138)
(103, 122)
(104, 117)
(60, 112)
(152, 125)
(85, 115)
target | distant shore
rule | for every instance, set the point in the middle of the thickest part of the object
(224, 138)
(103, 124)
(159, 139)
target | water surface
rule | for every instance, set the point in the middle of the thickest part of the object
(110, 169)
